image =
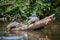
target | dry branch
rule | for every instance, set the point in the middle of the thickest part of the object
(38, 24)
(7, 4)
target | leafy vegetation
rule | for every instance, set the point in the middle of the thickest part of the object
(22, 9)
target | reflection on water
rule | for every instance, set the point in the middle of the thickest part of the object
(50, 32)
(14, 35)
(24, 35)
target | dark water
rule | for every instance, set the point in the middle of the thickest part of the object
(50, 32)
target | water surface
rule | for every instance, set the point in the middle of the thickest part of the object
(49, 32)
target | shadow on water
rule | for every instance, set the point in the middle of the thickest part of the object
(50, 32)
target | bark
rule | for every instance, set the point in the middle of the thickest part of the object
(6, 4)
(38, 24)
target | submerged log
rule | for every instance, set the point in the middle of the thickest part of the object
(38, 24)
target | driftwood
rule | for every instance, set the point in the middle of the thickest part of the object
(6, 4)
(38, 24)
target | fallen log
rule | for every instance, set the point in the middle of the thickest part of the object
(38, 24)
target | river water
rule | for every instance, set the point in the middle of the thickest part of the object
(49, 32)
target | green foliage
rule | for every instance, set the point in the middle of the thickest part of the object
(57, 15)
(24, 8)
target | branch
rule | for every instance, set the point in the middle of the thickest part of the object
(6, 4)
(39, 24)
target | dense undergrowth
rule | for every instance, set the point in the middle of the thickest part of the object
(22, 9)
